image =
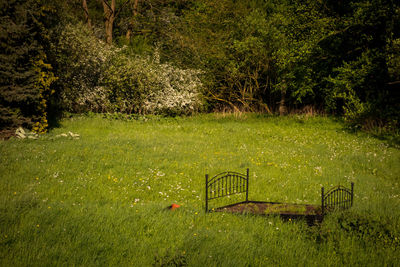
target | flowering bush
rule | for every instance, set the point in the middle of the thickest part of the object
(82, 59)
(143, 85)
(127, 80)
(97, 77)
(177, 91)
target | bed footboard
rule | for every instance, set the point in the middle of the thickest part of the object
(338, 197)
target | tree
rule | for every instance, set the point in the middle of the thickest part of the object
(361, 60)
(298, 29)
(109, 17)
(86, 11)
(25, 78)
(132, 20)
(110, 14)
(227, 40)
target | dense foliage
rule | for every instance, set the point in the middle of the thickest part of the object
(178, 57)
(102, 78)
(25, 77)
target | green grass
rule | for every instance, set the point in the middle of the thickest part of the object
(100, 200)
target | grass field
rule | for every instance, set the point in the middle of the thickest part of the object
(100, 199)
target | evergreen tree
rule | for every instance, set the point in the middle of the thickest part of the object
(25, 78)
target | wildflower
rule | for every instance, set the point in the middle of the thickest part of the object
(318, 170)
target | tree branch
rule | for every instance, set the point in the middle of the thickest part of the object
(107, 4)
(120, 8)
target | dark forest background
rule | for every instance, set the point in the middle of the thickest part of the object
(181, 57)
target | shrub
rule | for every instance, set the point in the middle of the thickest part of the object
(126, 80)
(177, 91)
(351, 85)
(101, 78)
(141, 85)
(45, 77)
(81, 60)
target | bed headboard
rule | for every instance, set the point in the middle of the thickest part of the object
(338, 197)
(226, 184)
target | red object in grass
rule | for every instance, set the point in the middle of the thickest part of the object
(174, 206)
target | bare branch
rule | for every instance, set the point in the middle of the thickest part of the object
(105, 2)
(121, 7)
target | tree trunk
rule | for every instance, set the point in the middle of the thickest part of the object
(109, 16)
(282, 105)
(130, 26)
(86, 10)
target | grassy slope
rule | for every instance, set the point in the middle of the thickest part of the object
(100, 199)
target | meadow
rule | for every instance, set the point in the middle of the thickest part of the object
(100, 199)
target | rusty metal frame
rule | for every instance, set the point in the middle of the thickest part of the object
(231, 183)
(338, 197)
(226, 184)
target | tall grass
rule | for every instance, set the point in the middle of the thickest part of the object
(100, 199)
